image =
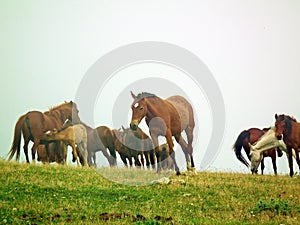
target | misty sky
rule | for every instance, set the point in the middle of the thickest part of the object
(252, 49)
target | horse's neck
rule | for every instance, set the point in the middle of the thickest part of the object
(153, 104)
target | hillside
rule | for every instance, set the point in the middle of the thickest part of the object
(39, 194)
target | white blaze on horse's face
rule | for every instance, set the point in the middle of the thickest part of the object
(138, 113)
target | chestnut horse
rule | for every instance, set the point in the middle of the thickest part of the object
(289, 128)
(34, 124)
(166, 117)
(251, 136)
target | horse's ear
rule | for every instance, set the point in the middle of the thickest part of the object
(276, 116)
(133, 95)
(123, 128)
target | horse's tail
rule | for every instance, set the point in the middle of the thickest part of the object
(237, 147)
(15, 147)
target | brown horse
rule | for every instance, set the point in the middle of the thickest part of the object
(289, 128)
(34, 124)
(251, 136)
(132, 144)
(166, 117)
(99, 139)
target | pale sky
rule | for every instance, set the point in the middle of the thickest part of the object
(251, 48)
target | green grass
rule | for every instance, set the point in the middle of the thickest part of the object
(39, 194)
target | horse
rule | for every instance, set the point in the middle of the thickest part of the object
(251, 136)
(131, 144)
(71, 135)
(163, 157)
(265, 143)
(289, 128)
(166, 117)
(34, 124)
(98, 139)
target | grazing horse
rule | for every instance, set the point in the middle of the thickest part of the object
(166, 117)
(132, 143)
(99, 139)
(289, 128)
(71, 135)
(251, 136)
(34, 124)
(265, 143)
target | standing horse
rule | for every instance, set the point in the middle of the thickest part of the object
(71, 135)
(34, 124)
(134, 143)
(99, 139)
(289, 128)
(265, 143)
(166, 117)
(251, 136)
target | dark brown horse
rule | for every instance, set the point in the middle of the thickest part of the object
(251, 136)
(132, 144)
(34, 124)
(166, 117)
(289, 128)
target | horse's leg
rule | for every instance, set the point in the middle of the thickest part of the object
(113, 155)
(190, 138)
(146, 155)
(25, 147)
(75, 155)
(274, 162)
(171, 147)
(297, 155)
(123, 158)
(34, 147)
(262, 165)
(156, 147)
(290, 155)
(184, 147)
(137, 162)
(130, 161)
(105, 153)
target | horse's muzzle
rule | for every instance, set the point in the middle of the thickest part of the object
(133, 126)
(279, 137)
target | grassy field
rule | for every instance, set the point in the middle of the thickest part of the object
(39, 194)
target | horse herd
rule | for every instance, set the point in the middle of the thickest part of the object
(52, 131)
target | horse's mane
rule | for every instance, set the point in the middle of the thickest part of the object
(144, 95)
(53, 108)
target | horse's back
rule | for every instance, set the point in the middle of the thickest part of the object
(184, 109)
(106, 135)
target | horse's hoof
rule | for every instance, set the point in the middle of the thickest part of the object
(178, 173)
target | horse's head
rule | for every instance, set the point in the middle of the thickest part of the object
(74, 117)
(255, 158)
(139, 110)
(279, 125)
